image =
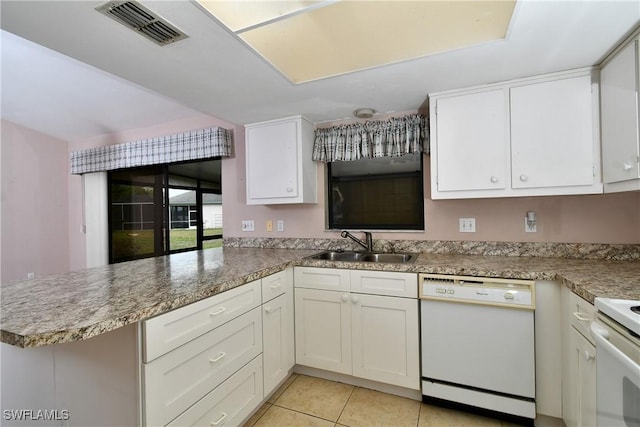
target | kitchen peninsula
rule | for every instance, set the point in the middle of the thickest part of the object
(105, 305)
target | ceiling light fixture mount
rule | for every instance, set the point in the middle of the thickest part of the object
(364, 113)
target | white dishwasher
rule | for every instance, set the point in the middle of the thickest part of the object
(477, 341)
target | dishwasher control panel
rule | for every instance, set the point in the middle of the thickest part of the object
(478, 290)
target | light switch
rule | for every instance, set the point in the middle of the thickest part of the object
(467, 225)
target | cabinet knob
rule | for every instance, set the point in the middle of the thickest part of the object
(523, 178)
(344, 298)
(267, 309)
(589, 356)
(626, 167)
(494, 179)
(354, 299)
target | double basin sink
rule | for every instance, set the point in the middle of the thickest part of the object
(354, 256)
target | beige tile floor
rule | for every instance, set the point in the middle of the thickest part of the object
(309, 401)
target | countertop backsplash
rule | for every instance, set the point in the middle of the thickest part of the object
(596, 251)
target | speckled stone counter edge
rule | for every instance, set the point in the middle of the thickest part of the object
(595, 251)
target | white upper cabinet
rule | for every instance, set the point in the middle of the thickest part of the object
(473, 156)
(278, 161)
(528, 137)
(620, 115)
(552, 134)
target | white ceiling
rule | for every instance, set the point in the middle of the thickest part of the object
(125, 81)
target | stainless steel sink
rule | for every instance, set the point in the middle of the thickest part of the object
(353, 256)
(402, 258)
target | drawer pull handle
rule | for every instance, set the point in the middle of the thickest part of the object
(581, 317)
(267, 310)
(218, 311)
(222, 417)
(276, 286)
(220, 356)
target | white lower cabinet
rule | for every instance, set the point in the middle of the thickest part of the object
(174, 381)
(323, 329)
(277, 332)
(578, 364)
(230, 403)
(384, 344)
(374, 337)
(214, 361)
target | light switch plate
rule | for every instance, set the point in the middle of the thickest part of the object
(467, 225)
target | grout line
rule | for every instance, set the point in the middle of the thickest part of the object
(345, 404)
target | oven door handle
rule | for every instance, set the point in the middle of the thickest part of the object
(601, 337)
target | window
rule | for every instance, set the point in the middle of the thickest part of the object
(164, 209)
(383, 193)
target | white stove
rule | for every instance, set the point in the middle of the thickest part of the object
(625, 312)
(616, 332)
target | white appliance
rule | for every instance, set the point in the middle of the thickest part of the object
(477, 343)
(616, 332)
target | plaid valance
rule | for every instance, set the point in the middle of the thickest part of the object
(386, 138)
(194, 145)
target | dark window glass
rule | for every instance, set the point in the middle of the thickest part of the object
(164, 209)
(136, 214)
(376, 194)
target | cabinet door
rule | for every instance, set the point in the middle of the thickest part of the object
(620, 116)
(385, 339)
(552, 137)
(272, 160)
(323, 329)
(277, 341)
(472, 142)
(584, 380)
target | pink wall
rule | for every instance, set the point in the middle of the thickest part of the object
(41, 212)
(603, 218)
(34, 233)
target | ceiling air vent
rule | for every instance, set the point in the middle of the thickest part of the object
(143, 21)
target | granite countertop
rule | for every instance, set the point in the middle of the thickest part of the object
(85, 303)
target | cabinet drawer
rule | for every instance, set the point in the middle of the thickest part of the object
(230, 403)
(176, 380)
(385, 283)
(163, 333)
(330, 279)
(582, 314)
(273, 285)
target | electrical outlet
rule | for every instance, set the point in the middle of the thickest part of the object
(529, 226)
(248, 225)
(467, 225)
(269, 225)
(31, 276)
(280, 225)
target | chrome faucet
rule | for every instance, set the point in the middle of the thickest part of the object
(367, 244)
